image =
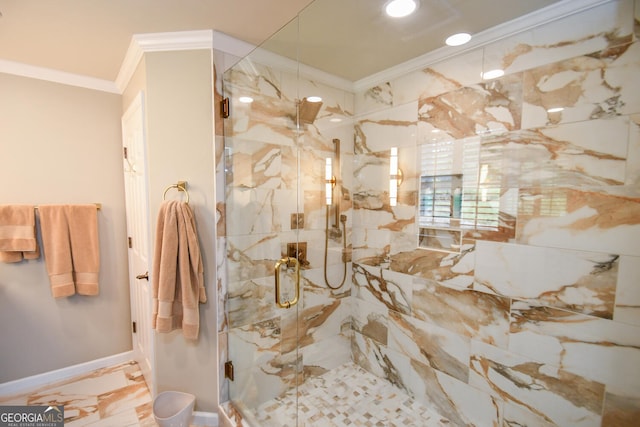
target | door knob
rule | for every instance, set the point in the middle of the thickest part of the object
(143, 276)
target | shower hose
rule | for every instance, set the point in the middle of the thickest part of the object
(343, 220)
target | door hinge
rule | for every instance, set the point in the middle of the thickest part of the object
(224, 108)
(134, 327)
(125, 153)
(130, 242)
(228, 370)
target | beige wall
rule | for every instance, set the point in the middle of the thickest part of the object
(179, 122)
(62, 144)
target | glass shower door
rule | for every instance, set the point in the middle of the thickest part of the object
(262, 203)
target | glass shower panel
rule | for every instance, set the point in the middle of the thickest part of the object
(287, 123)
(262, 194)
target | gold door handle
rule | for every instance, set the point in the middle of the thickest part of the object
(289, 262)
(143, 276)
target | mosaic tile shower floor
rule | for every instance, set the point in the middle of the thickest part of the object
(348, 396)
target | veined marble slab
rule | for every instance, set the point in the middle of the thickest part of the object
(597, 349)
(584, 282)
(472, 314)
(552, 394)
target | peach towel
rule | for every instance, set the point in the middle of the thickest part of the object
(18, 233)
(178, 274)
(71, 248)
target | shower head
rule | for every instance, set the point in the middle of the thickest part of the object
(308, 110)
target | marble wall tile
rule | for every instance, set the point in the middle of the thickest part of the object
(568, 154)
(587, 87)
(261, 372)
(220, 184)
(371, 246)
(253, 164)
(627, 307)
(250, 301)
(604, 219)
(259, 210)
(604, 26)
(310, 325)
(551, 393)
(449, 269)
(371, 320)
(315, 290)
(620, 411)
(445, 76)
(518, 415)
(252, 256)
(488, 107)
(250, 74)
(368, 354)
(584, 282)
(321, 357)
(456, 400)
(597, 349)
(468, 313)
(221, 284)
(374, 98)
(431, 345)
(384, 288)
(633, 156)
(393, 126)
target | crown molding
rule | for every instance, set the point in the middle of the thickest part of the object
(57, 76)
(527, 22)
(210, 39)
(159, 42)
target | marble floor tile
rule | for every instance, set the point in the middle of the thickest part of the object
(113, 396)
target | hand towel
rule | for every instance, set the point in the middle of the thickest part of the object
(56, 244)
(164, 268)
(191, 272)
(178, 274)
(85, 247)
(72, 248)
(18, 233)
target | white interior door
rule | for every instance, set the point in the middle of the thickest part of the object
(138, 225)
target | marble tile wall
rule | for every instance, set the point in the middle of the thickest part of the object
(536, 320)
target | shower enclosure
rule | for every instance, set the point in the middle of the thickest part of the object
(288, 155)
(409, 242)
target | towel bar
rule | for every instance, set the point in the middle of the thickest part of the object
(98, 206)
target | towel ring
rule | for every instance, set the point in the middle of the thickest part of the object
(180, 186)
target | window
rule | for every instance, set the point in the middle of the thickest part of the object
(460, 186)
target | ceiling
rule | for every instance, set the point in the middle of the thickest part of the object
(348, 38)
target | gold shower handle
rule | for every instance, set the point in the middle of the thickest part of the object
(289, 262)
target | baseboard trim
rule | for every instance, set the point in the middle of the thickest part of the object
(36, 381)
(204, 419)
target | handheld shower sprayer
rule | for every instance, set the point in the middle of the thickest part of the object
(334, 230)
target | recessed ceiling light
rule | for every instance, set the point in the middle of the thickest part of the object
(245, 99)
(493, 74)
(555, 109)
(400, 8)
(458, 39)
